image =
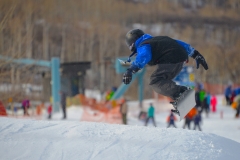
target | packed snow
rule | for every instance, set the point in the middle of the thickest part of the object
(32, 139)
(74, 139)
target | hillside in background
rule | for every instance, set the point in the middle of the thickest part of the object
(94, 31)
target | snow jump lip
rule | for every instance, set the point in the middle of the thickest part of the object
(69, 140)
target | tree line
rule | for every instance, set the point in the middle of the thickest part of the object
(94, 30)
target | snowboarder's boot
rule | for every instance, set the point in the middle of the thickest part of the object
(178, 99)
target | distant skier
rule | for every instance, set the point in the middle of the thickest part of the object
(214, 103)
(206, 103)
(49, 110)
(150, 115)
(197, 99)
(197, 120)
(236, 105)
(168, 54)
(63, 103)
(189, 117)
(171, 120)
(124, 110)
(227, 94)
(25, 107)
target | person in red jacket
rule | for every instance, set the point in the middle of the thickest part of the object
(214, 103)
(49, 110)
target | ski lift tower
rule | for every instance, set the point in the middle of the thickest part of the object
(54, 65)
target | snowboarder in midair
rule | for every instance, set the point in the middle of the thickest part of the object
(168, 54)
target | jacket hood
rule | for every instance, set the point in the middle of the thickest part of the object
(142, 38)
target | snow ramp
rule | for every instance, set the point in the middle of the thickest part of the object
(71, 140)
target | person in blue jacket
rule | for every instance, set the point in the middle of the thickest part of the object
(169, 55)
(228, 92)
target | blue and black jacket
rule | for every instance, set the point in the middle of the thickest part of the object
(160, 50)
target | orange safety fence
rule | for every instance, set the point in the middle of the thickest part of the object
(93, 110)
(100, 111)
(113, 116)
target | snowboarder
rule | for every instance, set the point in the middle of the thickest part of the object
(168, 54)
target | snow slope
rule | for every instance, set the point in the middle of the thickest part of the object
(71, 140)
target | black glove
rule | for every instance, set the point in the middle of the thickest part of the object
(200, 60)
(127, 76)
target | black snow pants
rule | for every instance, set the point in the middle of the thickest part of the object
(162, 82)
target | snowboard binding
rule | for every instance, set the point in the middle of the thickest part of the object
(175, 111)
(184, 103)
(178, 100)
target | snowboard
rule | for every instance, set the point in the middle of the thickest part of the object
(185, 104)
(124, 63)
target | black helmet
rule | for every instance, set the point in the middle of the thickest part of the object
(132, 36)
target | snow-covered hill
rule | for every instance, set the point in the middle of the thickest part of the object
(71, 140)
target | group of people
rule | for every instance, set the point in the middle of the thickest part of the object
(193, 116)
(25, 105)
(146, 116)
(205, 102)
